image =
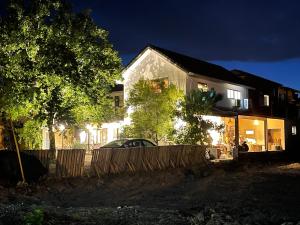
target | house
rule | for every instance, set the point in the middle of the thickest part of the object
(91, 136)
(262, 112)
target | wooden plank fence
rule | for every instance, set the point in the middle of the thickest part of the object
(111, 161)
(70, 163)
(45, 156)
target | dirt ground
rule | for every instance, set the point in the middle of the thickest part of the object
(255, 194)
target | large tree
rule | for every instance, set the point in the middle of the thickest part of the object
(55, 65)
(153, 103)
(194, 128)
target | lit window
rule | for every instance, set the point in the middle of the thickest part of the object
(233, 94)
(266, 100)
(229, 93)
(294, 130)
(246, 103)
(237, 95)
(160, 83)
(202, 87)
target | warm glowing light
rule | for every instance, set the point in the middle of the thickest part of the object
(256, 122)
(251, 140)
(214, 119)
(61, 127)
(112, 130)
(215, 136)
(249, 131)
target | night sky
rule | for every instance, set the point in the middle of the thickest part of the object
(258, 36)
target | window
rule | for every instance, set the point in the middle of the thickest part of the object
(134, 143)
(117, 101)
(202, 86)
(116, 133)
(233, 94)
(103, 135)
(282, 97)
(246, 103)
(294, 130)
(160, 83)
(147, 144)
(237, 95)
(266, 100)
(230, 93)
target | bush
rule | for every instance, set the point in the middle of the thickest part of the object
(36, 217)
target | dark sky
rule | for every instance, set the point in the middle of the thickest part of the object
(260, 36)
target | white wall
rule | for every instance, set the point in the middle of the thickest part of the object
(220, 87)
(152, 65)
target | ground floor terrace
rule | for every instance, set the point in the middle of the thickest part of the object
(260, 134)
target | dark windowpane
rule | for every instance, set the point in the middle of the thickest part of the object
(147, 144)
(117, 101)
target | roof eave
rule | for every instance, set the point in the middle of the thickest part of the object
(215, 79)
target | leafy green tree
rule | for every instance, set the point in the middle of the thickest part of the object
(55, 66)
(195, 128)
(31, 134)
(153, 104)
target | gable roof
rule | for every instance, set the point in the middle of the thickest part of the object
(254, 80)
(198, 67)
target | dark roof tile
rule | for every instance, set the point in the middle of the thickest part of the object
(254, 80)
(198, 67)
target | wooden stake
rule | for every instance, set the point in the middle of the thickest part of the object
(18, 152)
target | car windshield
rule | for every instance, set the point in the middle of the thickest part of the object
(115, 144)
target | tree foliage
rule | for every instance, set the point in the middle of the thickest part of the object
(31, 134)
(195, 128)
(55, 65)
(153, 104)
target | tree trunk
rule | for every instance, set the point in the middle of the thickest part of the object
(51, 136)
(156, 138)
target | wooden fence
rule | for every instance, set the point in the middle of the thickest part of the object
(110, 161)
(70, 163)
(45, 156)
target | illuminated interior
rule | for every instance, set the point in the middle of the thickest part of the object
(252, 130)
(222, 140)
(275, 134)
(262, 134)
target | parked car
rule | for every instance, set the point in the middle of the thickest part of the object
(129, 143)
